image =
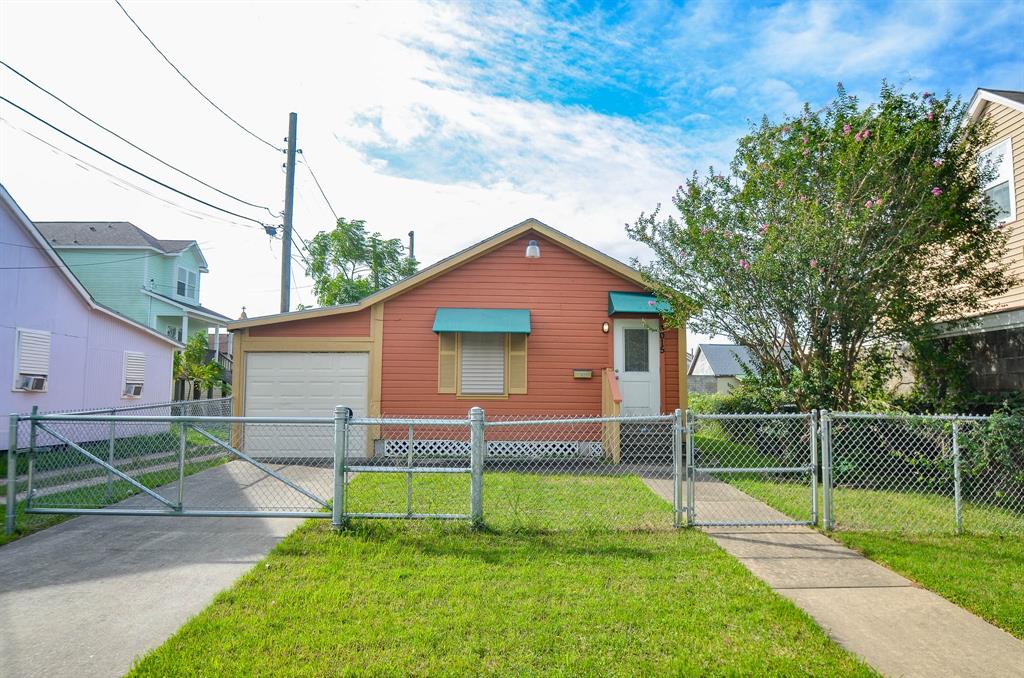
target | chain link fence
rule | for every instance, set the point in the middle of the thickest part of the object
(877, 472)
(924, 474)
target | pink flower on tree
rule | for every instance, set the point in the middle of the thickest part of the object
(780, 183)
(869, 203)
(936, 191)
(814, 263)
(847, 128)
(931, 116)
(926, 95)
(744, 264)
(938, 162)
(763, 229)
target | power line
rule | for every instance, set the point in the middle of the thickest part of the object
(305, 161)
(133, 145)
(88, 263)
(129, 168)
(122, 183)
(191, 84)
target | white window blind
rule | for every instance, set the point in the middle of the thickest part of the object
(134, 373)
(33, 352)
(482, 369)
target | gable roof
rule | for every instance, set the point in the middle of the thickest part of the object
(60, 266)
(454, 261)
(725, 360)
(111, 234)
(1006, 97)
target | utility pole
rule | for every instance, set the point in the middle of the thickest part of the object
(289, 204)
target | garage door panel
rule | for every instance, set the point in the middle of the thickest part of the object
(303, 385)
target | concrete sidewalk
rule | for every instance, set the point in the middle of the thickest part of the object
(894, 625)
(88, 596)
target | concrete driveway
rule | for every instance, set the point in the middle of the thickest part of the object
(88, 596)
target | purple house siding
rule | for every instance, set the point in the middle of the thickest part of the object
(87, 342)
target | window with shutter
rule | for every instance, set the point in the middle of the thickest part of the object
(447, 362)
(31, 360)
(134, 374)
(482, 364)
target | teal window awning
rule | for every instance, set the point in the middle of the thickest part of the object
(636, 302)
(502, 320)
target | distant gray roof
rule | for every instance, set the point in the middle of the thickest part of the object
(726, 360)
(105, 234)
(1007, 93)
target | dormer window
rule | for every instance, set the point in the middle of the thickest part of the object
(188, 283)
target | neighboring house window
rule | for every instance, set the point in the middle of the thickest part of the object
(174, 332)
(481, 364)
(31, 360)
(188, 282)
(134, 374)
(1000, 189)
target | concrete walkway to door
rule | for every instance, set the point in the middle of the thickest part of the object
(86, 597)
(895, 626)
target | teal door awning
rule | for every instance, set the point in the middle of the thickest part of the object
(636, 302)
(502, 320)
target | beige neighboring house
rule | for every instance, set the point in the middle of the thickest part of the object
(997, 336)
(716, 368)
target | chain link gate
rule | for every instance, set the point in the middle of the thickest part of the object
(752, 469)
(145, 465)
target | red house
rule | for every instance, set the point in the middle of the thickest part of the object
(527, 322)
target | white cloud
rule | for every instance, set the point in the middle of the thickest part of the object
(722, 92)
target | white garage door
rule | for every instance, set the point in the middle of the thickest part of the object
(302, 385)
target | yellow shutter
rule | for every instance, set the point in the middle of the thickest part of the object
(447, 362)
(517, 363)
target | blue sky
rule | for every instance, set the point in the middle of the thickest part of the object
(456, 120)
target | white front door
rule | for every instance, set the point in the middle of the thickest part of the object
(637, 364)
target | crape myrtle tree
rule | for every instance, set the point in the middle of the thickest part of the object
(347, 264)
(836, 236)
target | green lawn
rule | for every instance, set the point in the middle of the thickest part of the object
(982, 573)
(605, 597)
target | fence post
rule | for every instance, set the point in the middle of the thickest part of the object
(691, 514)
(182, 446)
(814, 467)
(31, 458)
(677, 468)
(826, 469)
(478, 446)
(12, 474)
(110, 457)
(342, 415)
(956, 478)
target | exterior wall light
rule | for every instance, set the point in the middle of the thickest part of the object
(533, 250)
(605, 327)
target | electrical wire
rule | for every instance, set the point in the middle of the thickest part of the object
(133, 145)
(124, 183)
(191, 84)
(309, 167)
(128, 167)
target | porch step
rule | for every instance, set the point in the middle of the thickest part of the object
(645, 441)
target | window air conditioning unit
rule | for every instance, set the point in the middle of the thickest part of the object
(133, 390)
(31, 382)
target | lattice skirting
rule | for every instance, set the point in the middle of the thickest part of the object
(496, 449)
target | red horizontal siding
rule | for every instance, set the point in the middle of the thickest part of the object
(568, 301)
(342, 325)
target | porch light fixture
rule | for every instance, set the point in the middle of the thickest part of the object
(605, 327)
(533, 250)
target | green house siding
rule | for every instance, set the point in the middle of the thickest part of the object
(114, 277)
(119, 278)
